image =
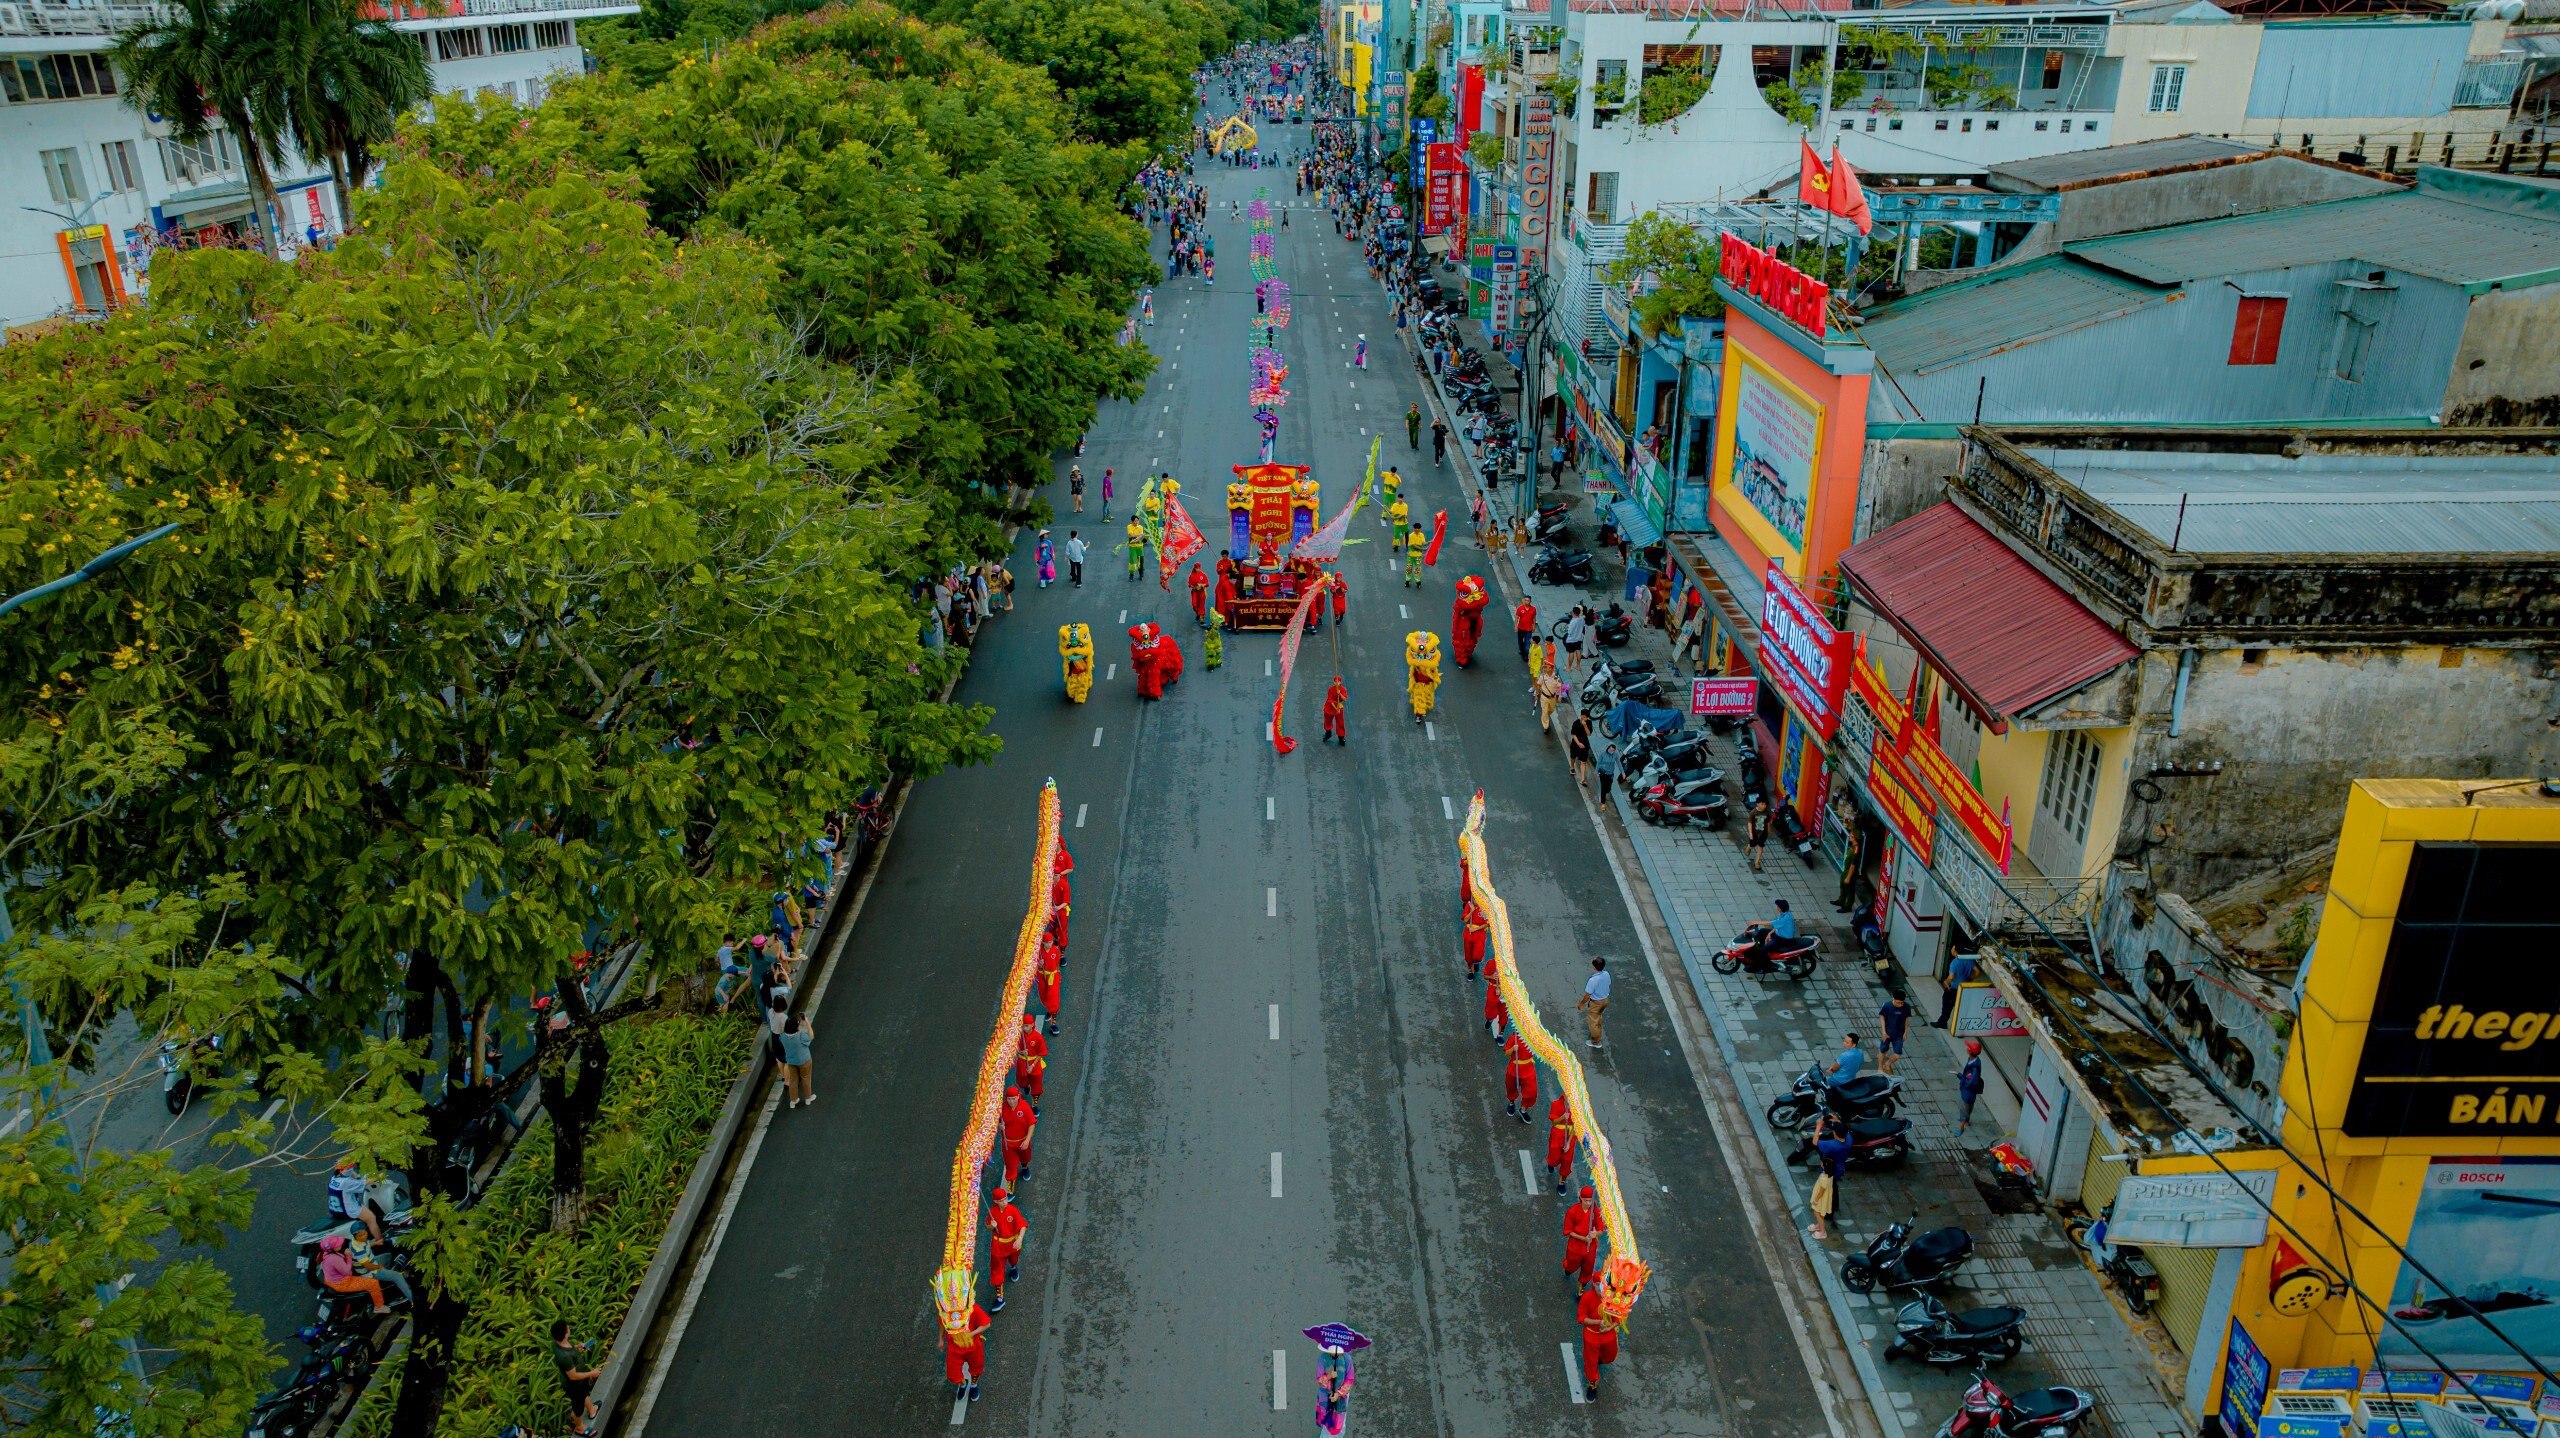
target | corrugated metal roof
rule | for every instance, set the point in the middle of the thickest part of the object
(2003, 309)
(2417, 232)
(2007, 637)
(2108, 162)
(2326, 503)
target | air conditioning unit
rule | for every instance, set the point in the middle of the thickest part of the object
(2512, 1420)
(2392, 1418)
(2306, 1415)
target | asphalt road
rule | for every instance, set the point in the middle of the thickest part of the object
(1216, 886)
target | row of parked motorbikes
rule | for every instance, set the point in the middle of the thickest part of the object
(1470, 387)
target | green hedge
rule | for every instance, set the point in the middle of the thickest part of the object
(671, 1075)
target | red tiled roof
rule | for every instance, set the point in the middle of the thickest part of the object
(2008, 638)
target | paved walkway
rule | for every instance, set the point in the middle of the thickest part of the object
(1770, 1031)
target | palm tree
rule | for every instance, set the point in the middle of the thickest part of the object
(341, 80)
(190, 66)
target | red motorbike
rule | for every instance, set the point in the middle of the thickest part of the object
(2037, 1413)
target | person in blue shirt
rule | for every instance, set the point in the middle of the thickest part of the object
(1779, 928)
(1851, 1062)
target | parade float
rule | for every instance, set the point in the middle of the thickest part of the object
(1622, 1271)
(1271, 509)
(955, 1284)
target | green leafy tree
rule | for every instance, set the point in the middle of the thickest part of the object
(1678, 262)
(198, 62)
(537, 586)
(342, 80)
(167, 1352)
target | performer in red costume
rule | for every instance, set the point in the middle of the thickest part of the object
(1341, 598)
(1562, 1139)
(1019, 1122)
(1049, 979)
(1582, 1238)
(1466, 619)
(1198, 584)
(1599, 1340)
(1145, 642)
(1478, 932)
(1168, 659)
(1031, 1062)
(964, 1356)
(1005, 1229)
(1519, 1078)
(1494, 1012)
(1336, 702)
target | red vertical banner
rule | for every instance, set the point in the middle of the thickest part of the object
(1470, 101)
(1445, 198)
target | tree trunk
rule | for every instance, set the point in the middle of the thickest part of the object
(345, 187)
(573, 1084)
(262, 194)
(427, 1377)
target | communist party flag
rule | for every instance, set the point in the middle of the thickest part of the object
(1813, 178)
(1848, 200)
(1297, 631)
(1182, 540)
(1439, 531)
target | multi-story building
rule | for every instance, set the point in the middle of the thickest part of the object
(90, 185)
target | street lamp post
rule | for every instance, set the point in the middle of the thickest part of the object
(39, 1052)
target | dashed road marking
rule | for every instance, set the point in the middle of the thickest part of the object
(960, 1410)
(1270, 808)
(1572, 1372)
(1275, 1023)
(1097, 736)
(1124, 618)
(1430, 731)
(1111, 672)
(1266, 668)
(1080, 808)
(1280, 1375)
(1270, 903)
(1447, 809)
(1403, 613)
(1275, 1175)
(1527, 1183)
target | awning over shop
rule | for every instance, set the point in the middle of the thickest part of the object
(1632, 522)
(1435, 244)
(2005, 636)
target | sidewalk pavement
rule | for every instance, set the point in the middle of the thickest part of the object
(1769, 1031)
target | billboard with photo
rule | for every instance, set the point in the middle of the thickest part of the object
(1776, 442)
(2490, 1229)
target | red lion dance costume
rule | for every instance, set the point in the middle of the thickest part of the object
(1154, 657)
(1466, 619)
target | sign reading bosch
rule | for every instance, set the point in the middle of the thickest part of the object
(2465, 1036)
(1773, 282)
(1806, 657)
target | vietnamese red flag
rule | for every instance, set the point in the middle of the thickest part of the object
(1813, 178)
(1289, 658)
(1182, 539)
(1439, 531)
(1848, 200)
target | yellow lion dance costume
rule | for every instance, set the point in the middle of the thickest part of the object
(1075, 652)
(1422, 671)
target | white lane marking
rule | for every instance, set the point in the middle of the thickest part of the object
(1266, 668)
(1270, 903)
(1279, 1379)
(1124, 618)
(1270, 808)
(1097, 736)
(1528, 1184)
(1275, 1023)
(22, 1115)
(1403, 613)
(1275, 1175)
(267, 1116)
(1160, 433)
(1111, 672)
(960, 1409)
(1430, 731)
(1447, 809)
(1572, 1372)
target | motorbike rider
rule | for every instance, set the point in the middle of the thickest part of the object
(351, 1196)
(1782, 926)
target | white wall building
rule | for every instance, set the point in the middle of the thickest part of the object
(89, 184)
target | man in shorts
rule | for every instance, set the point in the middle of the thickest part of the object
(577, 1376)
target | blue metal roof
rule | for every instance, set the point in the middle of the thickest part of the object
(1999, 310)
(2223, 503)
(2426, 232)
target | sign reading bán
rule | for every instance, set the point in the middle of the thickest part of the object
(2465, 1038)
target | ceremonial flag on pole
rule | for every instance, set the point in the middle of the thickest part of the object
(1439, 531)
(1369, 486)
(1848, 200)
(1813, 179)
(1325, 545)
(1289, 656)
(1182, 539)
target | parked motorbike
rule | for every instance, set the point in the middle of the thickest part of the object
(1607, 688)
(2123, 1263)
(1697, 803)
(1614, 629)
(179, 1060)
(1871, 942)
(1567, 567)
(1986, 1412)
(1866, 1096)
(1790, 829)
(1747, 954)
(1873, 1143)
(1897, 1260)
(1926, 1331)
(1550, 525)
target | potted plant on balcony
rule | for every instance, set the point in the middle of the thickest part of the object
(1608, 97)
(1564, 87)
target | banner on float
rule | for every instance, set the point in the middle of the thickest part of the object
(1289, 642)
(1182, 539)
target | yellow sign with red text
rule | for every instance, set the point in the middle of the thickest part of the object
(1917, 753)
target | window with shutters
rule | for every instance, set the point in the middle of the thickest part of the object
(551, 34)
(122, 174)
(510, 39)
(458, 44)
(2168, 88)
(2257, 329)
(62, 175)
(1604, 197)
(2070, 783)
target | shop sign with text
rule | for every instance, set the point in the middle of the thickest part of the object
(1899, 729)
(1807, 658)
(1537, 175)
(1446, 198)
(1802, 299)
(1727, 697)
(1907, 813)
(1981, 1013)
(1506, 287)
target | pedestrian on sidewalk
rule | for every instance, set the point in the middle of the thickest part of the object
(578, 1376)
(1075, 485)
(1047, 555)
(1075, 558)
(1577, 748)
(1413, 426)
(1106, 494)
(1896, 1018)
(1524, 627)
(1595, 999)
(1606, 761)
(1005, 1230)
(1519, 1078)
(1960, 972)
(1831, 1148)
(733, 975)
(793, 1044)
(1000, 579)
(1968, 1085)
(1759, 832)
(1561, 1142)
(1575, 627)
(785, 915)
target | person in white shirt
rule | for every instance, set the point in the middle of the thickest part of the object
(1075, 559)
(1595, 998)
